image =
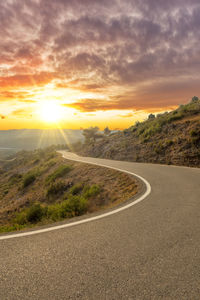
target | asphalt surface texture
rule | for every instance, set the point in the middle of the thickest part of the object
(148, 251)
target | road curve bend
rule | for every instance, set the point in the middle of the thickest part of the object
(145, 191)
(149, 251)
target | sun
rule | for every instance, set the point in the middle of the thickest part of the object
(50, 111)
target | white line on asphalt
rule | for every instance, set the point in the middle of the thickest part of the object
(141, 198)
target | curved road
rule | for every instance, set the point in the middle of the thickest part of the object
(148, 251)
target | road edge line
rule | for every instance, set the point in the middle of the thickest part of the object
(90, 219)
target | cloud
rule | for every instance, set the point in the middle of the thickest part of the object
(154, 96)
(128, 115)
(38, 79)
(137, 54)
(21, 96)
(123, 103)
(22, 113)
(91, 105)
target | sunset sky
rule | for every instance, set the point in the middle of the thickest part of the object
(81, 63)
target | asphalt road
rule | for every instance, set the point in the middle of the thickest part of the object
(148, 251)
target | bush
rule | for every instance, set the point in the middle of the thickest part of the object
(35, 213)
(56, 189)
(28, 179)
(151, 117)
(54, 212)
(32, 214)
(91, 191)
(194, 133)
(175, 117)
(21, 218)
(76, 189)
(5, 192)
(59, 172)
(9, 228)
(169, 143)
(73, 206)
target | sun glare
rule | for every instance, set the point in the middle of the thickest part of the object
(50, 111)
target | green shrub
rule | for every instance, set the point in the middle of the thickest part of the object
(73, 206)
(178, 116)
(9, 228)
(54, 212)
(76, 189)
(194, 133)
(28, 179)
(32, 214)
(91, 191)
(169, 143)
(5, 192)
(55, 189)
(59, 172)
(21, 218)
(35, 213)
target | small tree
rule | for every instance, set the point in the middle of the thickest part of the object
(151, 117)
(195, 99)
(107, 131)
(91, 133)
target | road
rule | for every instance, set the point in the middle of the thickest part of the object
(7, 160)
(148, 251)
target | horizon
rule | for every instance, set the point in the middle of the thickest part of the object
(71, 65)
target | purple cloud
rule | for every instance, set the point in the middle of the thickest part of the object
(98, 44)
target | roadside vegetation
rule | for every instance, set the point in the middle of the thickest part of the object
(70, 205)
(41, 187)
(168, 138)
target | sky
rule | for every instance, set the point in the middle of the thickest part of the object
(82, 63)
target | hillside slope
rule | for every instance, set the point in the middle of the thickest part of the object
(169, 138)
(40, 187)
(12, 141)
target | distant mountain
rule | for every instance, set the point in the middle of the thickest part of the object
(169, 138)
(30, 139)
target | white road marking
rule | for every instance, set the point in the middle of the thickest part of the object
(114, 211)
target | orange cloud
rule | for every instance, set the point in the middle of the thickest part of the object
(129, 115)
(126, 102)
(38, 79)
(22, 113)
(92, 105)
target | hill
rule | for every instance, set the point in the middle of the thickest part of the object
(12, 141)
(170, 138)
(41, 187)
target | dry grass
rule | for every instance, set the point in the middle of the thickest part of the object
(69, 178)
